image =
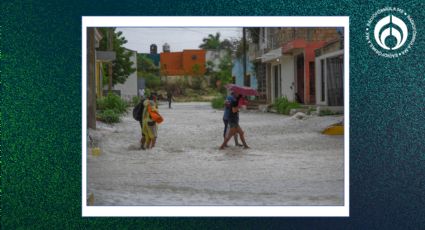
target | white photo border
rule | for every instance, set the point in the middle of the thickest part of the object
(216, 211)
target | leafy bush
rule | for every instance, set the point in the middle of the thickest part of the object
(284, 106)
(109, 116)
(112, 102)
(147, 92)
(152, 81)
(135, 100)
(101, 103)
(326, 112)
(196, 83)
(218, 102)
(310, 110)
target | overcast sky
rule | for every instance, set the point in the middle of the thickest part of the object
(179, 38)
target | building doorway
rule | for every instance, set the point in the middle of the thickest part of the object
(247, 80)
(269, 82)
(300, 79)
(312, 83)
(276, 74)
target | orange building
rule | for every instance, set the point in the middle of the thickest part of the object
(186, 63)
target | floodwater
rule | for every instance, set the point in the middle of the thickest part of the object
(290, 162)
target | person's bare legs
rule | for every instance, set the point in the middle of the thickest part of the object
(147, 143)
(142, 142)
(241, 134)
(236, 140)
(230, 135)
(234, 136)
(153, 142)
(226, 130)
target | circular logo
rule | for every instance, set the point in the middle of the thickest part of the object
(391, 32)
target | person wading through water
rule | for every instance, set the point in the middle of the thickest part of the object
(149, 125)
(234, 124)
(227, 109)
(142, 141)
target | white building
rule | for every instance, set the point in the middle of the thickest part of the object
(215, 57)
(330, 74)
(279, 67)
(291, 66)
(129, 88)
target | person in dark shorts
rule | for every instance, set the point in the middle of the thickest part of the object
(227, 108)
(234, 125)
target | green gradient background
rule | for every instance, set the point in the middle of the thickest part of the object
(41, 116)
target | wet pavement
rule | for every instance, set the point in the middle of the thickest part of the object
(290, 162)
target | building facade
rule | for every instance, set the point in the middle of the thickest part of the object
(330, 73)
(285, 59)
(249, 79)
(185, 63)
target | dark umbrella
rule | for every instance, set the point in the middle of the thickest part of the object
(242, 90)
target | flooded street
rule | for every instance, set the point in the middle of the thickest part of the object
(289, 163)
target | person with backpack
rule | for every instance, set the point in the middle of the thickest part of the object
(138, 116)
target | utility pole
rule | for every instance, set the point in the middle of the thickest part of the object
(110, 48)
(91, 82)
(244, 54)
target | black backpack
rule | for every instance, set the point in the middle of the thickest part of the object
(137, 111)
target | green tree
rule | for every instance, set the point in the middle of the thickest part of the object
(146, 69)
(254, 34)
(238, 48)
(197, 78)
(225, 72)
(211, 42)
(226, 44)
(209, 67)
(122, 67)
(145, 64)
(196, 69)
(152, 81)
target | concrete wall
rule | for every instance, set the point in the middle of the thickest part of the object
(254, 82)
(129, 88)
(172, 63)
(182, 63)
(263, 40)
(192, 58)
(237, 72)
(287, 77)
(215, 57)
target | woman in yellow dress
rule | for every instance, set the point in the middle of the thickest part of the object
(149, 126)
